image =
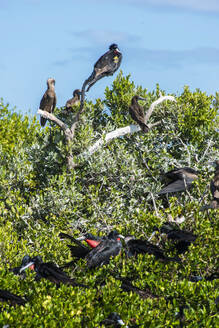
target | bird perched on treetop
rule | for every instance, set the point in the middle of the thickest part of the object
(181, 179)
(48, 102)
(105, 66)
(137, 113)
(75, 100)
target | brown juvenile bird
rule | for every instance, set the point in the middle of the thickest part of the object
(48, 102)
(214, 187)
(137, 113)
(73, 101)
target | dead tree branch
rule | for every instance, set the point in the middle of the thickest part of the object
(155, 103)
(126, 130)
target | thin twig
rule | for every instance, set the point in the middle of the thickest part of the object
(155, 207)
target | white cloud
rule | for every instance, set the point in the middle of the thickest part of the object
(196, 5)
(106, 36)
(203, 5)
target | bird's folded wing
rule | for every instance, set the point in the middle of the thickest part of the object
(175, 186)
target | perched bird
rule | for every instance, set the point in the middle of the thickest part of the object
(137, 113)
(139, 246)
(48, 102)
(181, 179)
(110, 246)
(5, 295)
(214, 187)
(182, 238)
(105, 66)
(52, 272)
(73, 101)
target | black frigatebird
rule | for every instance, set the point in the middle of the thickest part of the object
(80, 251)
(110, 246)
(182, 238)
(139, 246)
(5, 295)
(73, 101)
(137, 113)
(106, 65)
(48, 101)
(181, 179)
(52, 272)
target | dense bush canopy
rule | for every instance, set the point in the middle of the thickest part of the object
(114, 188)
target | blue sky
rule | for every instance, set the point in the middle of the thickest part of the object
(170, 42)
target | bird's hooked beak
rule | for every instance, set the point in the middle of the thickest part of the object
(121, 322)
(152, 235)
(141, 98)
(29, 265)
(121, 236)
(81, 238)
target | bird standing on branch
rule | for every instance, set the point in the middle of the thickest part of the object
(105, 66)
(181, 179)
(73, 101)
(137, 113)
(48, 102)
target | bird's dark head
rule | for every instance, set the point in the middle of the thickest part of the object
(136, 98)
(51, 82)
(77, 92)
(26, 260)
(114, 235)
(114, 47)
(37, 260)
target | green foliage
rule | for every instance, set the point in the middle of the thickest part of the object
(114, 188)
(196, 115)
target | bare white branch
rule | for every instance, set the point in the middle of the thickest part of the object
(155, 103)
(128, 129)
(53, 118)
